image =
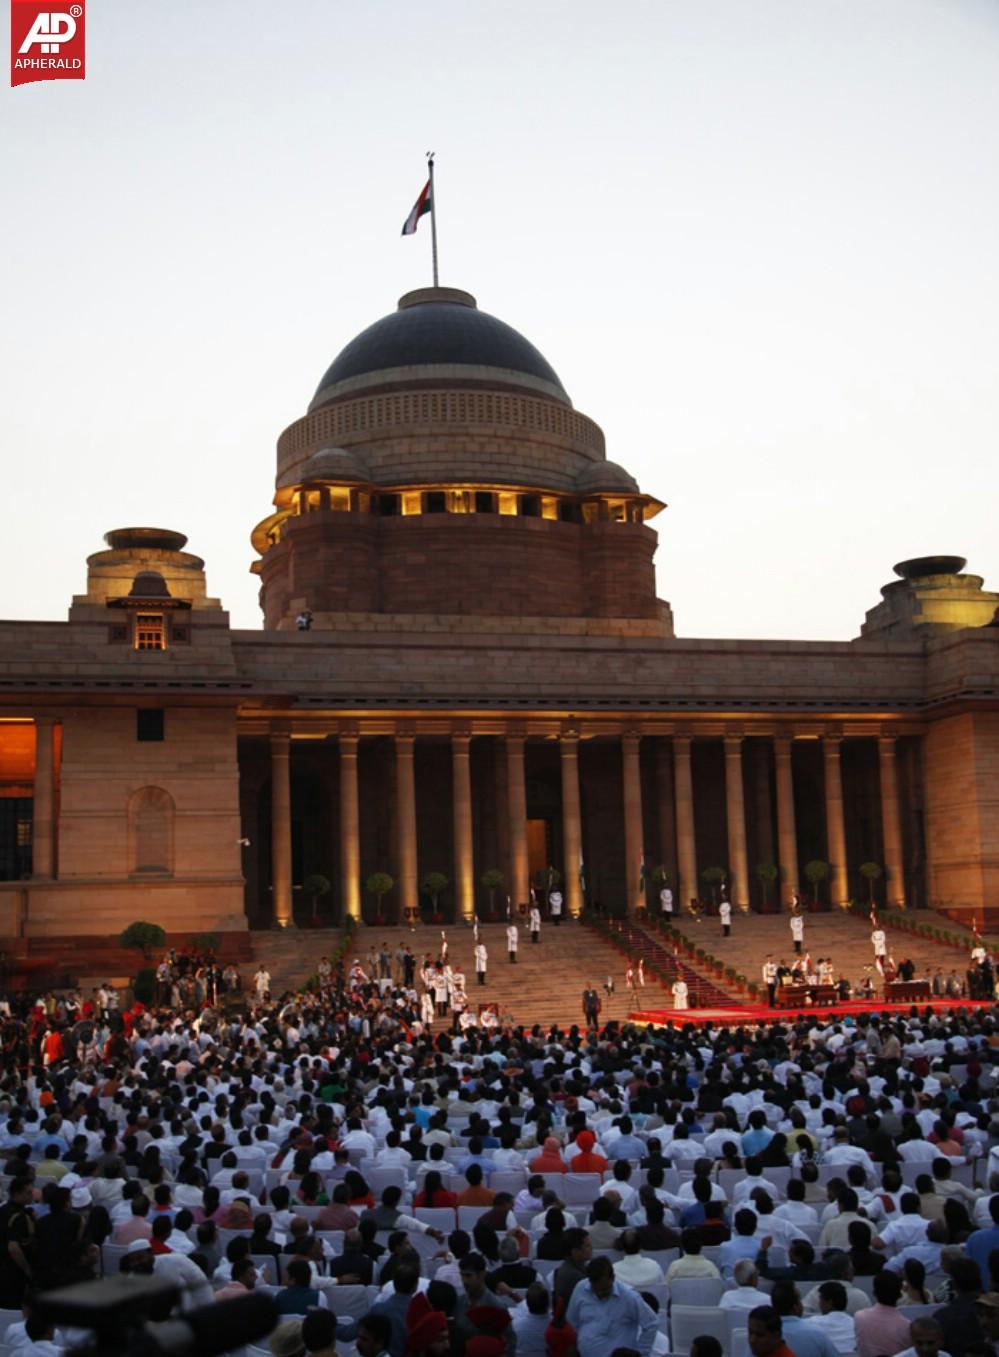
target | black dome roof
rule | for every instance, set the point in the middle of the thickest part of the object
(438, 326)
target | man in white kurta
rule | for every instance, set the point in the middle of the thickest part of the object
(512, 938)
(798, 931)
(555, 907)
(725, 917)
(880, 944)
(680, 994)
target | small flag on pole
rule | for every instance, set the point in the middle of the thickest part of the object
(582, 873)
(874, 916)
(641, 873)
(975, 930)
(423, 204)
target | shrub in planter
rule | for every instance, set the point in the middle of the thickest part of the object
(142, 937)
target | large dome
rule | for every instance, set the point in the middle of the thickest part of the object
(439, 329)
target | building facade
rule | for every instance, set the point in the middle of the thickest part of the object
(464, 668)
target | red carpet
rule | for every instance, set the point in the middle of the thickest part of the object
(745, 1014)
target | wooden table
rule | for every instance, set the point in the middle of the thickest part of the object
(907, 991)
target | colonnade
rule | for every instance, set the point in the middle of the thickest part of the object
(675, 791)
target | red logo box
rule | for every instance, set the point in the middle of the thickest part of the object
(47, 41)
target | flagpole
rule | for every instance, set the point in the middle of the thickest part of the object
(433, 214)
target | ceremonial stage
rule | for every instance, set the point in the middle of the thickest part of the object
(744, 1015)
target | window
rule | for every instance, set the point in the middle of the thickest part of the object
(149, 723)
(436, 502)
(485, 502)
(149, 633)
(530, 506)
(568, 511)
(386, 505)
(15, 837)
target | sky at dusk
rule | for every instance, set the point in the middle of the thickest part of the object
(755, 238)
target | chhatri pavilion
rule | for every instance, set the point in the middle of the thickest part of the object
(464, 667)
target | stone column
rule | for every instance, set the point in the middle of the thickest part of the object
(891, 823)
(281, 827)
(43, 803)
(517, 803)
(501, 813)
(787, 841)
(631, 780)
(350, 828)
(405, 794)
(461, 794)
(664, 807)
(686, 843)
(572, 829)
(835, 827)
(735, 817)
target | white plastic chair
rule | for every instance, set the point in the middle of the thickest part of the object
(7, 1318)
(352, 1302)
(437, 1217)
(468, 1215)
(912, 1312)
(687, 1322)
(695, 1292)
(111, 1256)
(580, 1189)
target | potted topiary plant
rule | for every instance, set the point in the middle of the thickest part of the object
(816, 872)
(492, 880)
(315, 886)
(871, 872)
(435, 884)
(379, 884)
(766, 875)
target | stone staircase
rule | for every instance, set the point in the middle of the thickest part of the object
(845, 938)
(635, 941)
(545, 986)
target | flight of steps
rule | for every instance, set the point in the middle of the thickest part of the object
(845, 938)
(649, 944)
(545, 986)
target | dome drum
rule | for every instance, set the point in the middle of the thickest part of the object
(442, 564)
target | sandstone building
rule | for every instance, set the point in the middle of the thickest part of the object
(489, 681)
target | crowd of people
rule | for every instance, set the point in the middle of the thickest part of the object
(243, 1145)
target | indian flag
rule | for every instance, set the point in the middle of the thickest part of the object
(423, 204)
(641, 874)
(582, 873)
